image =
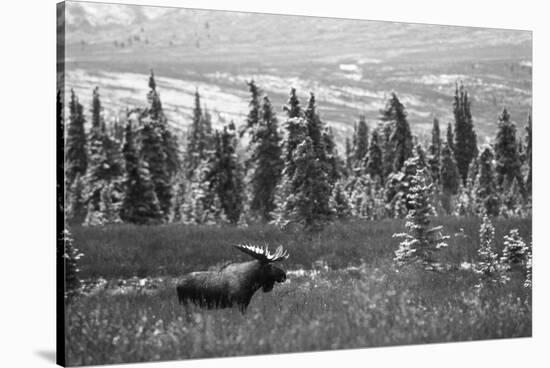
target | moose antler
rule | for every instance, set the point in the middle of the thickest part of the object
(263, 254)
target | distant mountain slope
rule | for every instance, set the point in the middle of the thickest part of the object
(253, 34)
(351, 65)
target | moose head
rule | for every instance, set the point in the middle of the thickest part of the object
(268, 273)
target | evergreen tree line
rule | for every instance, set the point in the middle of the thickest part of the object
(463, 180)
(288, 173)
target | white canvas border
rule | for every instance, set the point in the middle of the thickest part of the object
(28, 181)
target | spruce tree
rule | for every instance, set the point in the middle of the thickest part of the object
(225, 175)
(109, 210)
(155, 105)
(529, 156)
(71, 257)
(97, 116)
(508, 165)
(169, 140)
(421, 243)
(515, 252)
(159, 148)
(253, 117)
(349, 158)
(487, 267)
(360, 141)
(268, 163)
(395, 195)
(314, 126)
(59, 113)
(398, 186)
(199, 139)
(485, 188)
(340, 202)
(61, 166)
(308, 202)
(76, 202)
(466, 201)
(472, 172)
(374, 165)
(170, 147)
(198, 207)
(388, 153)
(296, 132)
(401, 138)
(414, 166)
(323, 142)
(465, 144)
(207, 123)
(76, 160)
(105, 164)
(449, 177)
(450, 137)
(117, 131)
(513, 203)
(152, 152)
(421, 155)
(172, 151)
(179, 197)
(528, 283)
(333, 162)
(293, 108)
(434, 152)
(367, 199)
(140, 204)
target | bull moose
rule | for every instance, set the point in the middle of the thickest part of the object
(235, 283)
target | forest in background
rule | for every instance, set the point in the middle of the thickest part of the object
(285, 170)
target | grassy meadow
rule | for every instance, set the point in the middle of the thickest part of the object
(343, 291)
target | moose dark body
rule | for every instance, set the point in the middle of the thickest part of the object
(232, 285)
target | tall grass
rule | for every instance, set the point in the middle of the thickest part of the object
(173, 249)
(331, 310)
(374, 304)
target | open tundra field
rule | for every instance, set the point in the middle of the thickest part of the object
(343, 291)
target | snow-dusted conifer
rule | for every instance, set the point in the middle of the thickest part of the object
(485, 189)
(488, 266)
(70, 257)
(422, 242)
(515, 250)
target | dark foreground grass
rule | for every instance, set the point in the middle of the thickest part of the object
(337, 307)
